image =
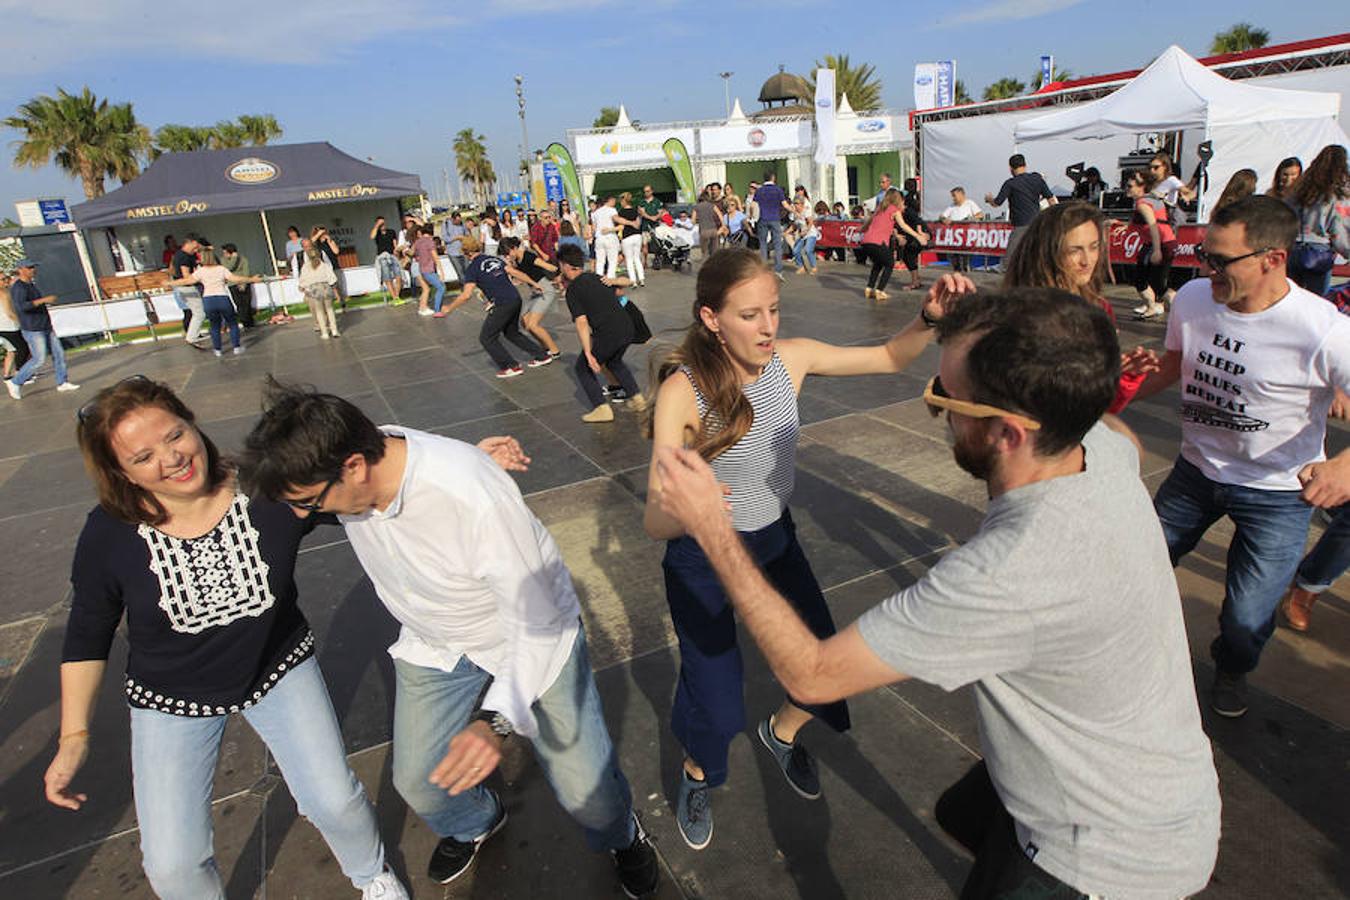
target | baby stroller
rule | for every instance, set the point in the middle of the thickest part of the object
(669, 248)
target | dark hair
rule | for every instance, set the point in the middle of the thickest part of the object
(294, 228)
(230, 248)
(770, 174)
(99, 419)
(507, 244)
(1036, 260)
(572, 255)
(1016, 161)
(428, 229)
(1325, 179)
(1270, 223)
(1042, 352)
(303, 438)
(1242, 184)
(1166, 164)
(565, 229)
(729, 414)
(1286, 163)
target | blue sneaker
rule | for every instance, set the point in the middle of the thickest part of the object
(693, 812)
(798, 766)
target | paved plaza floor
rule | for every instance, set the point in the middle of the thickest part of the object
(878, 501)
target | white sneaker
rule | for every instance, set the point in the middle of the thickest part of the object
(238, 350)
(425, 312)
(68, 386)
(386, 886)
(218, 353)
(14, 390)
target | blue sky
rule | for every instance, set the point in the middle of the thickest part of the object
(396, 80)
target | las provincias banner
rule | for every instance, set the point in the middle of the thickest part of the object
(991, 239)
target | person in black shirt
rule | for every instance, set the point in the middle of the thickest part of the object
(492, 276)
(204, 576)
(1023, 193)
(533, 271)
(189, 299)
(605, 330)
(386, 262)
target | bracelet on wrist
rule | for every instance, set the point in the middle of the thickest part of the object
(500, 725)
(928, 321)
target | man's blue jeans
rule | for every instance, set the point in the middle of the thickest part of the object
(1330, 556)
(573, 748)
(770, 234)
(40, 343)
(1271, 527)
(804, 252)
(173, 765)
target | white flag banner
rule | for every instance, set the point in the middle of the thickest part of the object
(925, 85)
(825, 117)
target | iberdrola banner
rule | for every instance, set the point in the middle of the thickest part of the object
(678, 157)
(571, 186)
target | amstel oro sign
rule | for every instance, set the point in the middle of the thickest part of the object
(344, 193)
(252, 171)
(181, 208)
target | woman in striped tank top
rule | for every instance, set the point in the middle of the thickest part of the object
(730, 392)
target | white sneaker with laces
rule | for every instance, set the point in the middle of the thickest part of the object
(14, 390)
(386, 886)
(68, 386)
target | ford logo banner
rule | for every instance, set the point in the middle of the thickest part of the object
(870, 125)
(824, 102)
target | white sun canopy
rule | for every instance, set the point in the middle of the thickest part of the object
(1250, 126)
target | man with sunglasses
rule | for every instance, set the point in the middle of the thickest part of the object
(1097, 778)
(491, 641)
(1258, 359)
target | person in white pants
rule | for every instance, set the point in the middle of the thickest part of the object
(630, 220)
(606, 239)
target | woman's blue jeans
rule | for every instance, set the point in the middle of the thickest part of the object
(173, 764)
(804, 252)
(572, 747)
(219, 315)
(1270, 530)
(434, 282)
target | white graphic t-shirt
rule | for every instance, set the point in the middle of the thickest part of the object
(1255, 388)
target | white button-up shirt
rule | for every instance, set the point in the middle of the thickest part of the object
(468, 570)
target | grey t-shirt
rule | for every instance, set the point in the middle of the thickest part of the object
(1064, 612)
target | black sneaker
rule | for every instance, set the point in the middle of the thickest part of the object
(1230, 694)
(615, 393)
(798, 766)
(452, 858)
(636, 864)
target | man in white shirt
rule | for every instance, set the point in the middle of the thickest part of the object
(491, 641)
(1258, 359)
(606, 239)
(963, 209)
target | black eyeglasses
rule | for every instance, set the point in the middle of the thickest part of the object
(317, 503)
(87, 410)
(1219, 262)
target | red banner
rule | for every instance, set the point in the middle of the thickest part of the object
(991, 239)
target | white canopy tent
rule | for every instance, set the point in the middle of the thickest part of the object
(1250, 126)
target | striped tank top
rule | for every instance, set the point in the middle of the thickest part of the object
(761, 467)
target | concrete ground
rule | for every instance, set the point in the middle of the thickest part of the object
(878, 501)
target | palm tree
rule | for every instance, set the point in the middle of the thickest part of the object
(859, 82)
(962, 95)
(1242, 36)
(86, 137)
(182, 138)
(1005, 88)
(1056, 74)
(258, 130)
(472, 163)
(225, 134)
(609, 115)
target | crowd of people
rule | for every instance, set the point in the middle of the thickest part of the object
(1097, 777)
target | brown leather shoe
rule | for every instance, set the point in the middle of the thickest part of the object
(1297, 608)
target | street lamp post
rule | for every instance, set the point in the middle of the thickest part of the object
(726, 89)
(524, 134)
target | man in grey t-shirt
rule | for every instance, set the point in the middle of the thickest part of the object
(1097, 778)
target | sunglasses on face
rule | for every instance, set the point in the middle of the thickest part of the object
(317, 503)
(89, 408)
(1218, 262)
(937, 400)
